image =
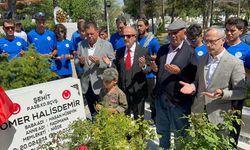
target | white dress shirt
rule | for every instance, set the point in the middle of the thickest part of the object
(91, 51)
(211, 66)
(132, 53)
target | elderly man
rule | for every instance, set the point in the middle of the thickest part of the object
(175, 62)
(92, 55)
(132, 63)
(219, 80)
(10, 45)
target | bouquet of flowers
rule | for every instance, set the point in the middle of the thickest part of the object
(61, 16)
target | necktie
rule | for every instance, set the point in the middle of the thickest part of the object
(128, 60)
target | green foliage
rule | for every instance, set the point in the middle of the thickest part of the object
(247, 101)
(204, 135)
(88, 9)
(107, 132)
(30, 69)
(28, 10)
(2, 35)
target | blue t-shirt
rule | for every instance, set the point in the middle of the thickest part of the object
(75, 39)
(152, 47)
(44, 43)
(246, 38)
(117, 41)
(241, 51)
(200, 50)
(13, 48)
(63, 67)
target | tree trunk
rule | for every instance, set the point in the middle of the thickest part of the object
(142, 9)
(173, 11)
(12, 8)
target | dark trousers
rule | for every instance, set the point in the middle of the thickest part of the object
(151, 97)
(91, 99)
(135, 105)
(169, 119)
(237, 105)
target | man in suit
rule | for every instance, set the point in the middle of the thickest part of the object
(132, 63)
(175, 62)
(90, 56)
(219, 80)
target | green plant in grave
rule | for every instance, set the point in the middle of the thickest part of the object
(204, 135)
(107, 132)
(30, 69)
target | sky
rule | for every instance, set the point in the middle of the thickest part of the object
(120, 1)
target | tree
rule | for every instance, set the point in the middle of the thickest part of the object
(45, 6)
(88, 9)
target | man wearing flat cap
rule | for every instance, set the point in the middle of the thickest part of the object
(175, 61)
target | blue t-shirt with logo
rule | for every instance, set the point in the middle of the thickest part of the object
(200, 50)
(44, 43)
(117, 41)
(152, 47)
(63, 67)
(13, 47)
(241, 51)
(75, 39)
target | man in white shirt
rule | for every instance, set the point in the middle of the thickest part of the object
(91, 56)
(219, 80)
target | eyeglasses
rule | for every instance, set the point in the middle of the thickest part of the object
(10, 27)
(212, 42)
(128, 36)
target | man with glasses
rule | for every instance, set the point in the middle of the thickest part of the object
(132, 63)
(234, 28)
(194, 36)
(43, 39)
(220, 80)
(174, 62)
(11, 46)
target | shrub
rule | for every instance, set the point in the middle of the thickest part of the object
(30, 69)
(204, 135)
(247, 101)
(107, 132)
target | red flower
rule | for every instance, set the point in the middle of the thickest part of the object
(82, 148)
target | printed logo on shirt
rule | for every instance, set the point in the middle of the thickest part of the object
(35, 39)
(48, 38)
(67, 45)
(18, 43)
(5, 45)
(200, 53)
(238, 54)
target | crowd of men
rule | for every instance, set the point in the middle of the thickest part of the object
(196, 72)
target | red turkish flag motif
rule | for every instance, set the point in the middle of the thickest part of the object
(6, 106)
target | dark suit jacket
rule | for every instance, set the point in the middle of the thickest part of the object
(168, 83)
(137, 84)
